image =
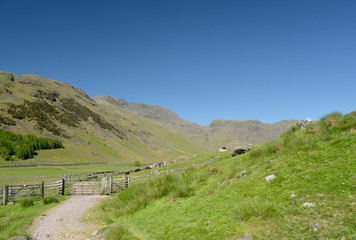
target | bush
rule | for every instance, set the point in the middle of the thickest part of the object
(49, 200)
(27, 203)
(137, 164)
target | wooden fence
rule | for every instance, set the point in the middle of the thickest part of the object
(107, 182)
(107, 185)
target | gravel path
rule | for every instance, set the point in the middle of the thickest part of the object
(64, 222)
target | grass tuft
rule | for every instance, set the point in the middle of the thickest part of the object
(27, 203)
(49, 200)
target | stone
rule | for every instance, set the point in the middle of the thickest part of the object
(248, 237)
(241, 174)
(95, 232)
(292, 195)
(225, 182)
(240, 150)
(222, 150)
(270, 178)
(10, 203)
(316, 226)
(307, 204)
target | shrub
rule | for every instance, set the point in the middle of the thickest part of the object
(27, 203)
(137, 164)
(49, 200)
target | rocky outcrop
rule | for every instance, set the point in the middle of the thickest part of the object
(240, 150)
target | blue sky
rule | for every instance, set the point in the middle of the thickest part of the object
(205, 60)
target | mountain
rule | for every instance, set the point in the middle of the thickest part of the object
(217, 133)
(90, 133)
(108, 129)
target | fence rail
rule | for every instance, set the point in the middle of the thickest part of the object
(105, 182)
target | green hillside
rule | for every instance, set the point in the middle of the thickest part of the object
(218, 133)
(110, 130)
(313, 194)
(31, 104)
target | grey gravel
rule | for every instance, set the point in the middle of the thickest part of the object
(65, 221)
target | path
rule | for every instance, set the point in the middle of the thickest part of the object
(64, 222)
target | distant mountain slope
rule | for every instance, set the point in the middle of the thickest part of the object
(108, 129)
(219, 132)
(90, 133)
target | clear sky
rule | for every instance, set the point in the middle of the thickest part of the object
(266, 60)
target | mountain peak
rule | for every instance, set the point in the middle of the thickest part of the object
(115, 101)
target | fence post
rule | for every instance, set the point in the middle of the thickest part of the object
(127, 182)
(6, 194)
(63, 186)
(42, 190)
(110, 185)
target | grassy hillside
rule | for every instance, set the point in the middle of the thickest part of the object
(217, 133)
(31, 104)
(215, 201)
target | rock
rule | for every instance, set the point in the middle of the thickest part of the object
(307, 204)
(95, 232)
(207, 223)
(18, 238)
(10, 203)
(241, 174)
(240, 150)
(222, 150)
(270, 178)
(226, 181)
(270, 161)
(292, 195)
(316, 226)
(249, 237)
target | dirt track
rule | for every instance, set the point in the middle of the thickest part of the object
(64, 222)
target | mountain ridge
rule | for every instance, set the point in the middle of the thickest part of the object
(110, 129)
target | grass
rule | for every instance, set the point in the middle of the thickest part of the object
(15, 220)
(209, 202)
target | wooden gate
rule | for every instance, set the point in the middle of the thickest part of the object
(20, 192)
(83, 188)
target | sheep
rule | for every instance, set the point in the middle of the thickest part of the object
(303, 123)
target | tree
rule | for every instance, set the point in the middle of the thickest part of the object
(5, 153)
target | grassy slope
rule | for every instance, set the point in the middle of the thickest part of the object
(90, 143)
(317, 166)
(212, 137)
